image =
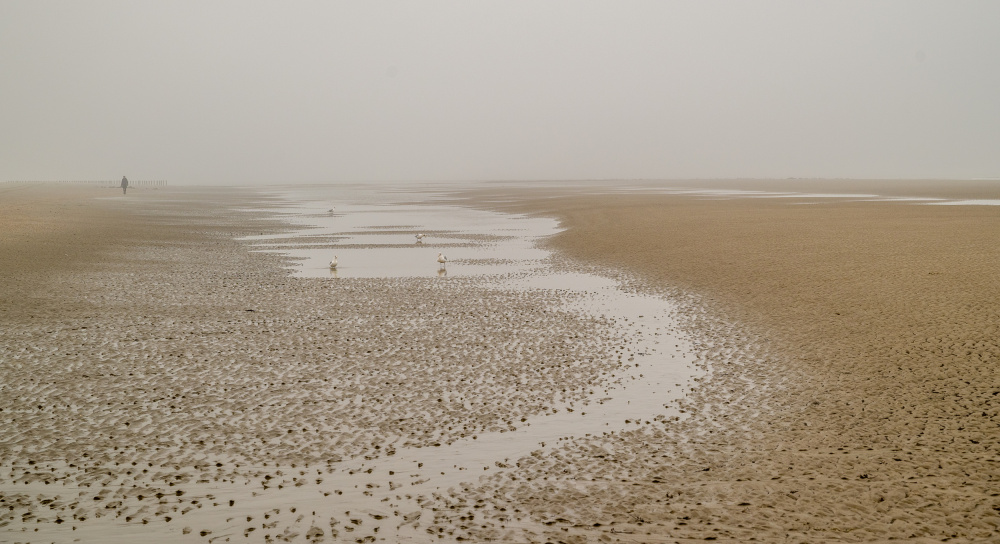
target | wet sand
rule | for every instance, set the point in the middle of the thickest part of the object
(856, 369)
(162, 381)
(154, 370)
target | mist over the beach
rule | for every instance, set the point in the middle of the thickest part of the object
(533, 272)
(237, 93)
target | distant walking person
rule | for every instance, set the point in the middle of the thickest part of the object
(124, 184)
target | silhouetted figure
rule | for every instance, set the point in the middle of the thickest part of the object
(124, 184)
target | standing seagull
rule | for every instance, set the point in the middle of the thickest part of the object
(420, 237)
(333, 263)
(442, 259)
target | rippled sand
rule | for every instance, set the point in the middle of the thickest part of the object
(160, 379)
(161, 382)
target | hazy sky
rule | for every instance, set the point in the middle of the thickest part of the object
(250, 92)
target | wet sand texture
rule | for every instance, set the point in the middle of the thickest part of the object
(856, 372)
(852, 396)
(154, 369)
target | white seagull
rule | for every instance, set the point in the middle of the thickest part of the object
(333, 263)
(442, 259)
(419, 237)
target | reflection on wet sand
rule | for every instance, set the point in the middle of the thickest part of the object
(216, 397)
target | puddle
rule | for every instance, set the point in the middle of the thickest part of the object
(372, 239)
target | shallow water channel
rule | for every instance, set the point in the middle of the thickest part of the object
(372, 233)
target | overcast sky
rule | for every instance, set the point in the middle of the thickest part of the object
(250, 92)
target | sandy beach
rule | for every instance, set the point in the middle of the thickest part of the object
(160, 379)
(853, 345)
